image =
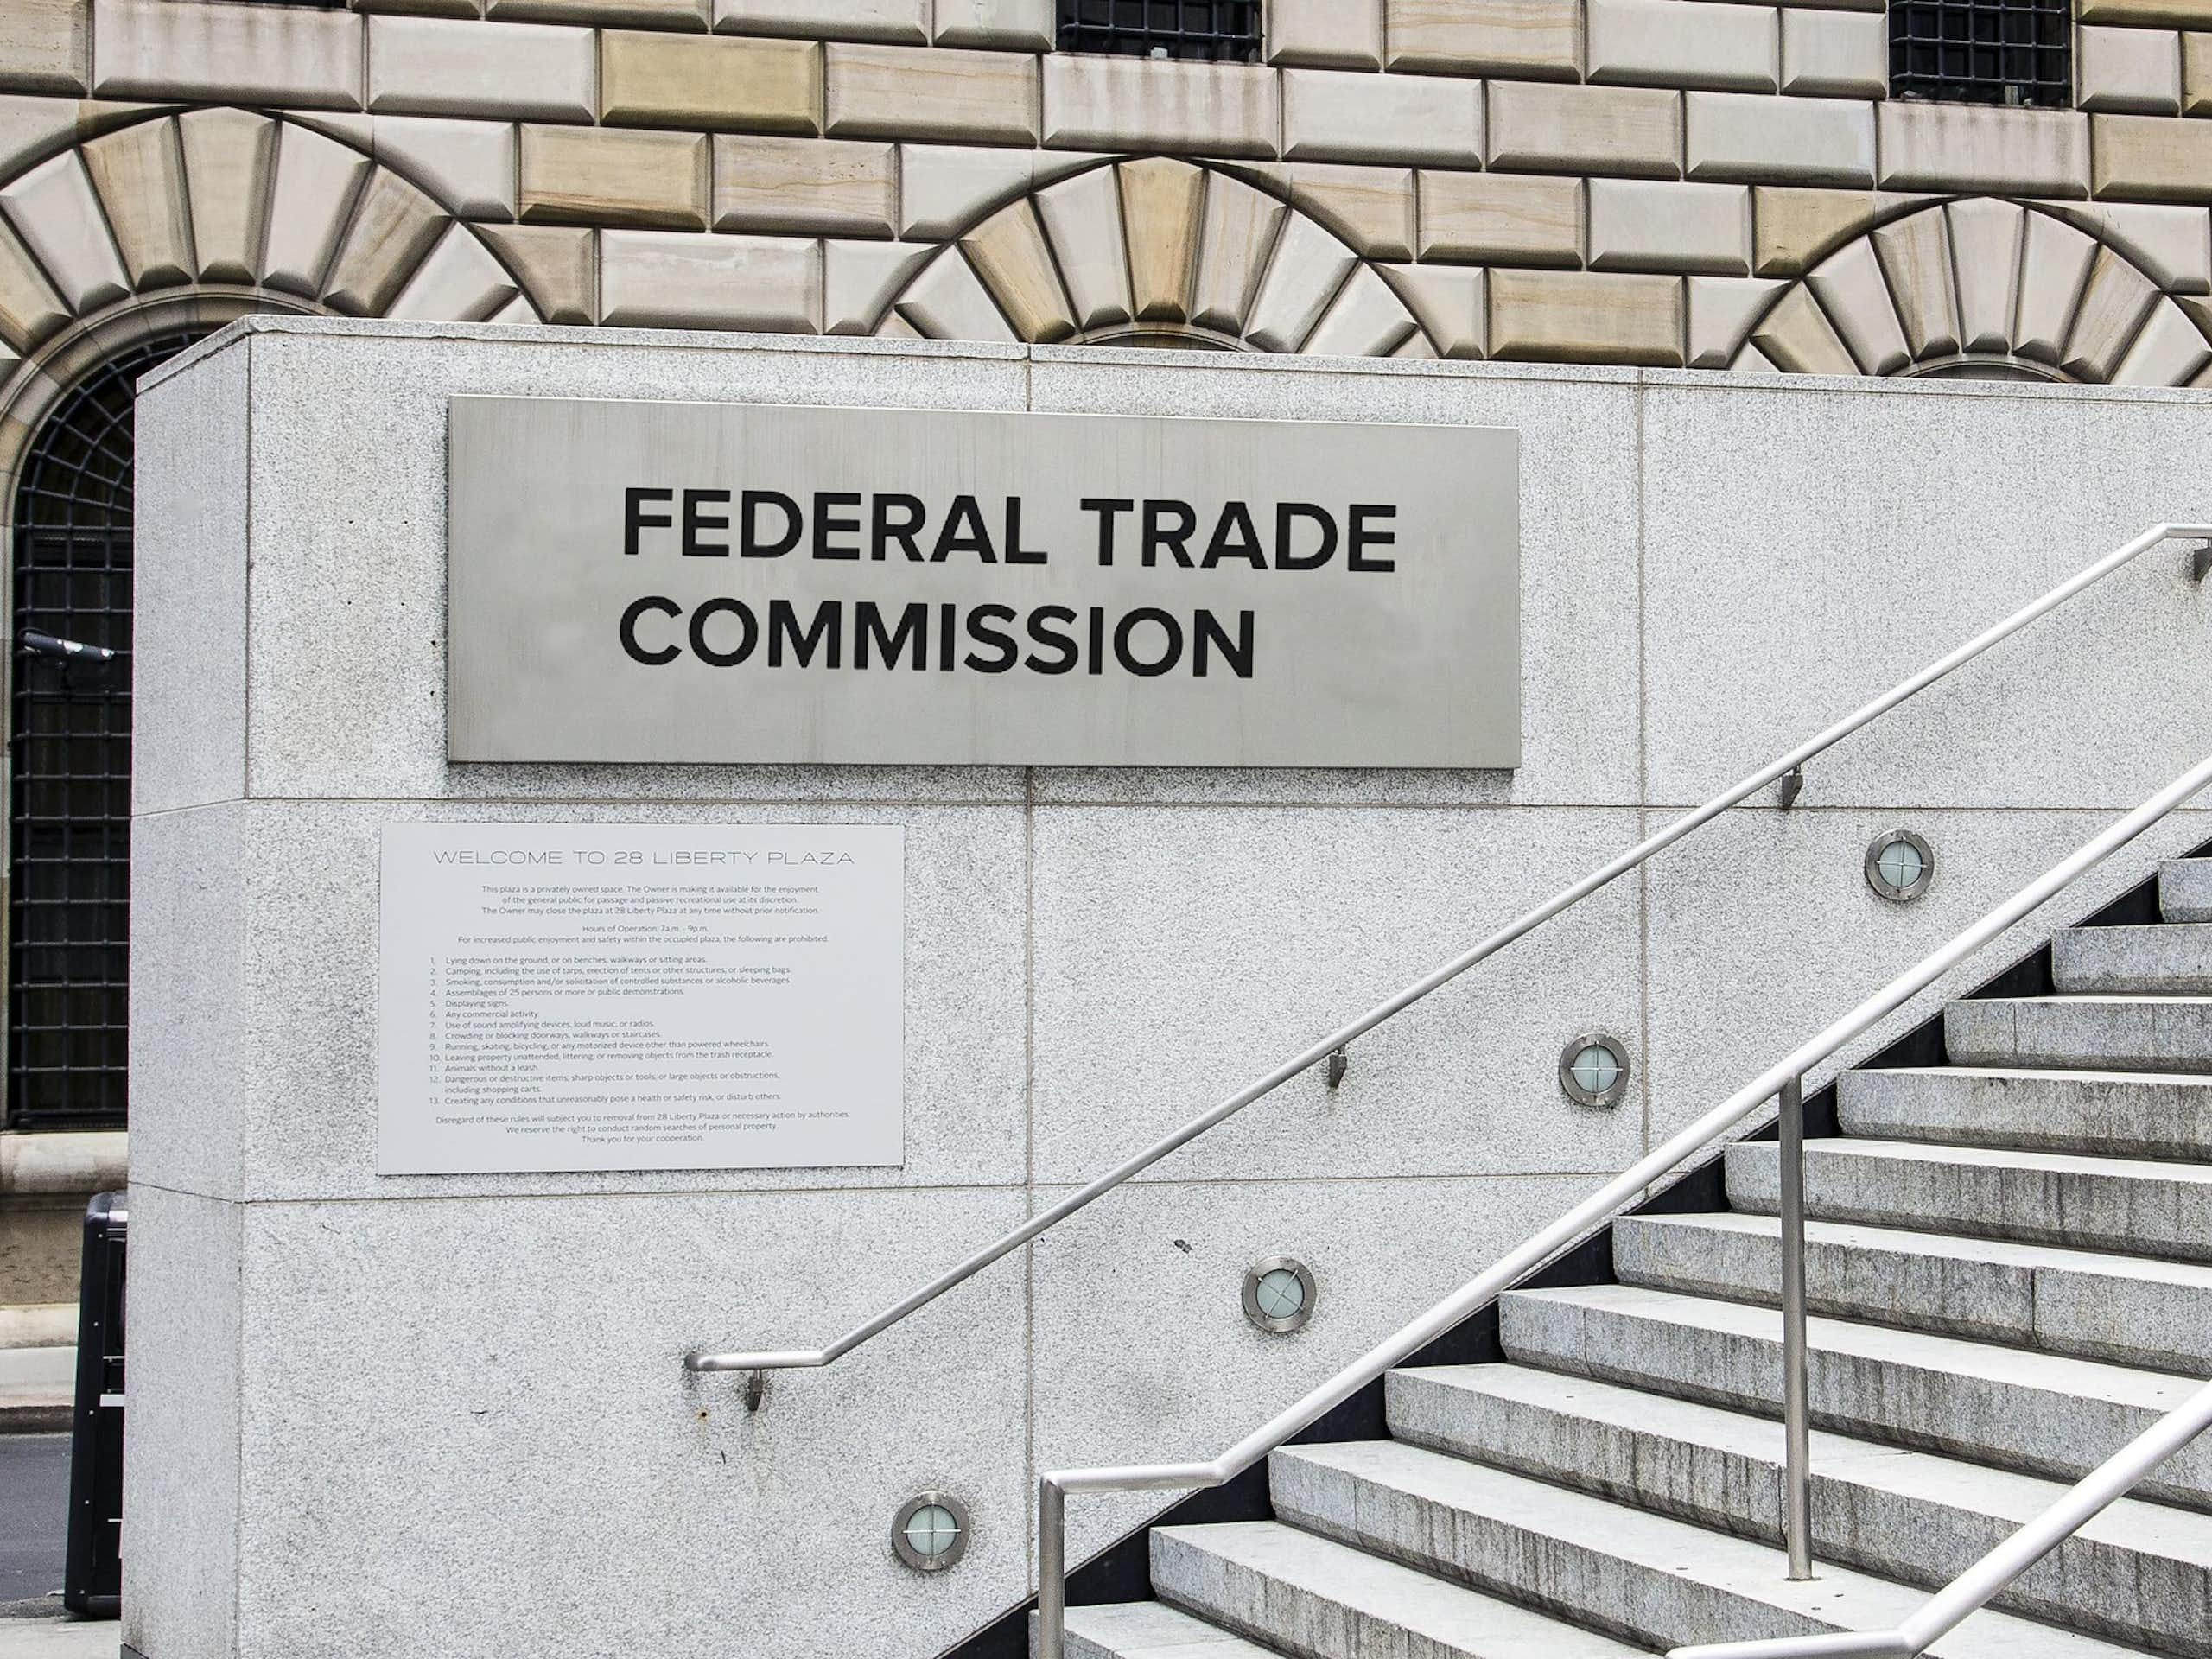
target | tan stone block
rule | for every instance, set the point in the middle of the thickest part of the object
(1955, 147)
(1529, 39)
(1646, 225)
(1792, 229)
(672, 81)
(558, 267)
(1236, 238)
(469, 165)
(583, 175)
(1835, 53)
(1000, 25)
(532, 71)
(2131, 69)
(818, 186)
(423, 8)
(897, 23)
(1562, 316)
(1916, 256)
(1501, 218)
(1008, 252)
(45, 46)
(139, 173)
(2150, 158)
(1212, 109)
(2182, 14)
(292, 55)
(688, 14)
(1082, 217)
(394, 226)
(882, 91)
(1325, 33)
(1740, 137)
(29, 308)
(1630, 130)
(228, 155)
(667, 279)
(1161, 203)
(1338, 115)
(1682, 43)
(1371, 207)
(2196, 74)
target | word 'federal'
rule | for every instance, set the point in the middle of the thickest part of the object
(849, 525)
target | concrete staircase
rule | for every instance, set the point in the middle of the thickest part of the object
(2011, 1262)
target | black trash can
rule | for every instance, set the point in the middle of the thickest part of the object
(91, 1581)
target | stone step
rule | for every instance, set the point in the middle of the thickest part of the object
(2185, 889)
(2087, 1033)
(2042, 1413)
(38, 1388)
(2138, 1572)
(1646, 1578)
(1150, 1630)
(2051, 1197)
(2111, 1114)
(1310, 1598)
(2173, 958)
(2132, 1310)
(39, 1324)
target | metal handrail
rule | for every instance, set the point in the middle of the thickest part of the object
(1988, 1577)
(1784, 1079)
(802, 1358)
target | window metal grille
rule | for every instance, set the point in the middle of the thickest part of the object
(1983, 50)
(1212, 31)
(69, 744)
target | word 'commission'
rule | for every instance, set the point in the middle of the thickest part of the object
(895, 528)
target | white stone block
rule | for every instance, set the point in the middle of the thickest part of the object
(309, 208)
(45, 46)
(887, 91)
(1721, 310)
(859, 279)
(1082, 216)
(1452, 303)
(1965, 146)
(675, 280)
(2137, 70)
(949, 301)
(53, 208)
(1211, 109)
(1002, 25)
(436, 66)
(1330, 115)
(1916, 256)
(1632, 132)
(1985, 259)
(945, 189)
(1324, 34)
(1682, 43)
(2167, 241)
(230, 153)
(461, 282)
(1645, 225)
(469, 166)
(220, 52)
(1852, 289)
(1771, 140)
(900, 22)
(2055, 262)
(1835, 53)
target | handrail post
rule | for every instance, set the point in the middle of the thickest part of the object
(1051, 1570)
(1797, 1477)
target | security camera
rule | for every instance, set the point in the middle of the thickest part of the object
(33, 643)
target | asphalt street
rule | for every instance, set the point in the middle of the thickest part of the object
(33, 1513)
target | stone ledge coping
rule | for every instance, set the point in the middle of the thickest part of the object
(62, 1163)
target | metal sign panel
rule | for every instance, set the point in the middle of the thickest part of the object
(670, 581)
(616, 996)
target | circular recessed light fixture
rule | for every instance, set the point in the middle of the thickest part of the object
(1278, 1294)
(930, 1532)
(1593, 1070)
(1900, 865)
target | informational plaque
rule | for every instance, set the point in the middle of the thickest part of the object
(640, 996)
(755, 583)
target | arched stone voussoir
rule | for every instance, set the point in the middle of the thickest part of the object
(226, 199)
(1154, 246)
(1986, 283)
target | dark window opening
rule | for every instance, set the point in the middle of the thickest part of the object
(2013, 51)
(1204, 31)
(69, 744)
